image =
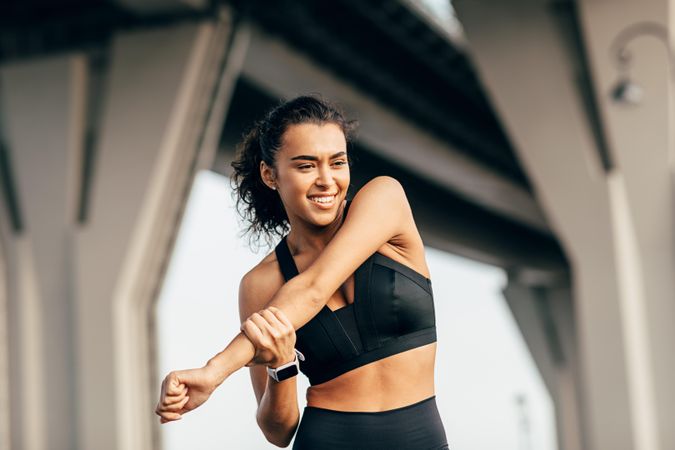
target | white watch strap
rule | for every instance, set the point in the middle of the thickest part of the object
(296, 362)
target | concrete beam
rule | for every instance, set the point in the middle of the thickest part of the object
(151, 7)
(284, 72)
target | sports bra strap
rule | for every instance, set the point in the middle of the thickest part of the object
(286, 262)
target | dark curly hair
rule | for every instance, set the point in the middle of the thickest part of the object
(259, 206)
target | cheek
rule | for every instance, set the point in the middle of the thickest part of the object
(344, 177)
(297, 185)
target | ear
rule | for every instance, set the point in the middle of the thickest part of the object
(268, 175)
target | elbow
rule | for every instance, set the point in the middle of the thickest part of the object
(317, 297)
(280, 442)
(308, 287)
(310, 295)
(280, 437)
(278, 433)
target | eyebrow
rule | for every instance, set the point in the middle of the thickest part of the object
(314, 158)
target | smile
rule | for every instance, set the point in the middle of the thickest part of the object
(323, 200)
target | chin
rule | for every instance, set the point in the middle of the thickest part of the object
(323, 217)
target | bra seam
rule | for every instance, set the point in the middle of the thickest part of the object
(370, 304)
(356, 350)
(426, 288)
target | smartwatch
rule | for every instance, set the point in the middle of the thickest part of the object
(287, 370)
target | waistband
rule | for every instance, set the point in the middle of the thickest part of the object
(419, 404)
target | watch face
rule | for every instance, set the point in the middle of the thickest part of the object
(287, 372)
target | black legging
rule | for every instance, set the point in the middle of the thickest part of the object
(414, 427)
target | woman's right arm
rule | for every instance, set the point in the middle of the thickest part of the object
(379, 213)
(271, 332)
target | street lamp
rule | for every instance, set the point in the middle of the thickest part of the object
(625, 90)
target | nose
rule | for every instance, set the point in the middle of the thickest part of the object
(325, 177)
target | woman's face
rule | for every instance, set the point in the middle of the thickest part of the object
(312, 173)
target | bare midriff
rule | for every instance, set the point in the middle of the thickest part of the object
(393, 382)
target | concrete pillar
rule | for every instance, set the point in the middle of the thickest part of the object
(544, 314)
(42, 103)
(5, 410)
(81, 291)
(532, 72)
(641, 196)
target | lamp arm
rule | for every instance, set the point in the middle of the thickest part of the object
(619, 47)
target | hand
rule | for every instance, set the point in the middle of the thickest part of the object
(273, 336)
(183, 391)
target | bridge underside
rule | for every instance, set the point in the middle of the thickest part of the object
(108, 110)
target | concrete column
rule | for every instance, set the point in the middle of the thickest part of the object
(532, 73)
(42, 101)
(641, 195)
(543, 312)
(80, 293)
(5, 410)
(162, 85)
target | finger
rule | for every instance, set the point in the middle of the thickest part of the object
(189, 406)
(161, 408)
(169, 416)
(262, 323)
(166, 399)
(174, 386)
(272, 320)
(174, 396)
(180, 392)
(176, 407)
(173, 399)
(253, 332)
(281, 316)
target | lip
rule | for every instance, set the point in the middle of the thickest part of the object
(323, 205)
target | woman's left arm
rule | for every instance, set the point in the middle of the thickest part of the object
(379, 213)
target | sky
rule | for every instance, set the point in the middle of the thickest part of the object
(483, 366)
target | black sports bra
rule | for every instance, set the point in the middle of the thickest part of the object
(393, 311)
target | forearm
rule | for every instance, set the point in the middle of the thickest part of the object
(236, 355)
(278, 413)
(299, 301)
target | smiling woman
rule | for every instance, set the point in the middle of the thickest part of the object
(312, 165)
(345, 297)
(260, 206)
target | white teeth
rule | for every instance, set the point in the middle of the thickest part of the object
(322, 199)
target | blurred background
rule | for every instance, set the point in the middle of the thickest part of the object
(533, 139)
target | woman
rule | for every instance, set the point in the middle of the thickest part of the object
(350, 277)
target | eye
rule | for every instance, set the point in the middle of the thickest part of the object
(305, 166)
(340, 162)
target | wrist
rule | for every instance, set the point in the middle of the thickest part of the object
(217, 371)
(285, 359)
(235, 356)
(287, 370)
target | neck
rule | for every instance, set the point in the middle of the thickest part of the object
(305, 237)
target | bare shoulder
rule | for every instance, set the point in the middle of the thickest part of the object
(405, 247)
(258, 285)
(385, 188)
(385, 199)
